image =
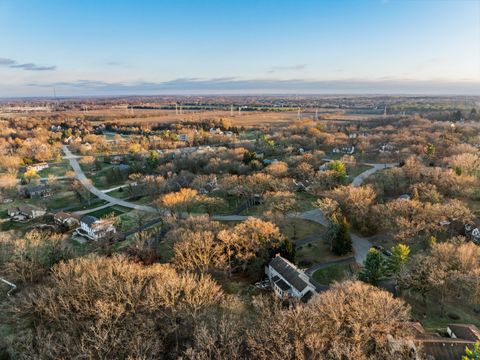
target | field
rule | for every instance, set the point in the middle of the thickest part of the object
(332, 273)
(314, 253)
(430, 316)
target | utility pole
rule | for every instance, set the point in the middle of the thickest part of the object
(316, 114)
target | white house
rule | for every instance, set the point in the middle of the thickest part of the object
(94, 228)
(38, 167)
(289, 281)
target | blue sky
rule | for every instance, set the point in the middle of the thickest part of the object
(265, 46)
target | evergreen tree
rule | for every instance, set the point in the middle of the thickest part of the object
(287, 250)
(343, 240)
(338, 234)
(373, 268)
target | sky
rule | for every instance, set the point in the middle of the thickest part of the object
(123, 47)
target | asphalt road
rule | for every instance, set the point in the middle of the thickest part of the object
(361, 245)
(80, 175)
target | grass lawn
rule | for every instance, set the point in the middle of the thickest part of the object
(455, 312)
(95, 202)
(336, 272)
(357, 170)
(299, 229)
(56, 169)
(238, 284)
(165, 251)
(115, 210)
(80, 249)
(314, 253)
(304, 202)
(130, 220)
(61, 200)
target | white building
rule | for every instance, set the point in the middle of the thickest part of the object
(289, 281)
(38, 167)
(94, 229)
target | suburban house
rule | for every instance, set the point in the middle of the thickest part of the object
(38, 167)
(38, 191)
(288, 281)
(344, 150)
(449, 347)
(94, 228)
(65, 219)
(473, 232)
(26, 212)
(116, 159)
(183, 137)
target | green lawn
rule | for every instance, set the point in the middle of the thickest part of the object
(61, 200)
(455, 312)
(57, 169)
(115, 210)
(296, 229)
(332, 273)
(95, 202)
(314, 253)
(165, 251)
(357, 170)
(130, 220)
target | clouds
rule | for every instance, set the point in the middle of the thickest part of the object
(287, 68)
(10, 63)
(232, 85)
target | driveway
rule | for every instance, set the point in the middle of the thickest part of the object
(311, 270)
(80, 175)
(359, 179)
(361, 245)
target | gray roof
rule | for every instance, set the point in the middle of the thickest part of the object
(465, 331)
(289, 272)
(38, 188)
(88, 219)
(282, 285)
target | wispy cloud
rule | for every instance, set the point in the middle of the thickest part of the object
(113, 63)
(230, 85)
(25, 66)
(287, 68)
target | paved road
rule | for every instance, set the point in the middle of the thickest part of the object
(84, 212)
(80, 175)
(115, 188)
(361, 245)
(358, 180)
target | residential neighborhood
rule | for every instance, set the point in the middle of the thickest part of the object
(267, 180)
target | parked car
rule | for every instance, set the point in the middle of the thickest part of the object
(387, 253)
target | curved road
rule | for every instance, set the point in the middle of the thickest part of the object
(80, 175)
(358, 180)
(361, 245)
